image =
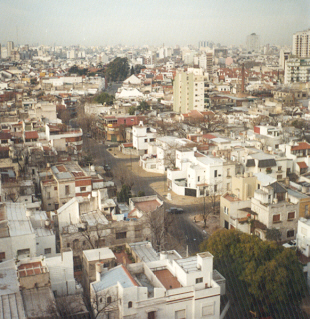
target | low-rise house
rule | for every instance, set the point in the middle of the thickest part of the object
(91, 258)
(303, 236)
(196, 174)
(24, 233)
(141, 136)
(153, 289)
(62, 182)
(274, 210)
(62, 137)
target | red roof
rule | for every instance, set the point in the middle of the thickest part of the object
(302, 165)
(31, 135)
(301, 146)
(5, 136)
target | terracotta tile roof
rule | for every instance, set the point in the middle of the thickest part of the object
(31, 135)
(302, 165)
(301, 146)
(5, 136)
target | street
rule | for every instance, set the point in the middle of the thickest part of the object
(193, 235)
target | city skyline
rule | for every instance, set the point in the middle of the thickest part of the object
(140, 22)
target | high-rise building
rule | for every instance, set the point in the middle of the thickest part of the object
(297, 70)
(188, 91)
(284, 55)
(253, 42)
(9, 47)
(301, 44)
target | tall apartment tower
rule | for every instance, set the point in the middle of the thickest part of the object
(301, 44)
(9, 47)
(188, 91)
(253, 42)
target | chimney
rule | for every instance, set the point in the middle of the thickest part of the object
(242, 74)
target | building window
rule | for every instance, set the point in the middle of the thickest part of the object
(208, 310)
(198, 178)
(55, 188)
(151, 315)
(291, 215)
(215, 188)
(67, 190)
(199, 280)
(121, 235)
(2, 256)
(68, 245)
(226, 210)
(109, 300)
(279, 168)
(215, 173)
(23, 252)
(180, 314)
(130, 304)
(83, 189)
(48, 195)
(276, 218)
(47, 251)
(290, 233)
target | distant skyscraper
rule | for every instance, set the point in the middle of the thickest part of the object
(301, 44)
(252, 42)
(202, 44)
(9, 47)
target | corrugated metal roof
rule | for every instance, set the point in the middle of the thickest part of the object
(114, 275)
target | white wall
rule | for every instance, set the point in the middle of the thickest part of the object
(61, 273)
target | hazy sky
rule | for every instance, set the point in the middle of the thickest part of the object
(153, 22)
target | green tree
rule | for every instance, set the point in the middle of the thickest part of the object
(117, 69)
(143, 106)
(104, 98)
(131, 110)
(141, 194)
(76, 70)
(138, 68)
(124, 194)
(263, 277)
(273, 234)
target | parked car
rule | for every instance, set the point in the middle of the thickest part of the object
(291, 244)
(175, 210)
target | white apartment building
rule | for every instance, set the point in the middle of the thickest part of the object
(179, 288)
(301, 44)
(297, 70)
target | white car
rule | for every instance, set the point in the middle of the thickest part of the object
(290, 244)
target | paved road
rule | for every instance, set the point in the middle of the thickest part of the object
(193, 235)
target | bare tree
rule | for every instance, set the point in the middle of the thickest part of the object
(104, 304)
(164, 231)
(211, 202)
(123, 174)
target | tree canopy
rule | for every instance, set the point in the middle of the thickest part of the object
(75, 70)
(117, 70)
(263, 277)
(104, 98)
(143, 106)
